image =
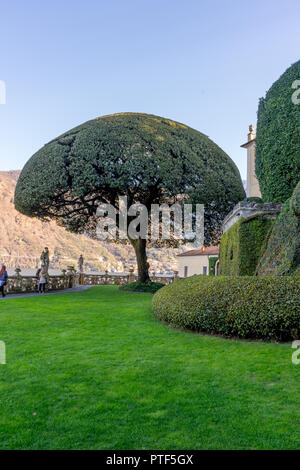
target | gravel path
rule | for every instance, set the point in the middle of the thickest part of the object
(35, 294)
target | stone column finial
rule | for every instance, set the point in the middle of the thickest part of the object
(18, 271)
(251, 134)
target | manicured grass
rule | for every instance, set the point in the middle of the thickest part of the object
(95, 370)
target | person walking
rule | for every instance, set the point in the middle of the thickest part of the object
(3, 279)
(37, 275)
(42, 279)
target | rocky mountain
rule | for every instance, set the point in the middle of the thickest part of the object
(22, 240)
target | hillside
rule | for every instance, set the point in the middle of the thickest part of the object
(22, 240)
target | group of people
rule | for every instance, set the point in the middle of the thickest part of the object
(42, 278)
(41, 274)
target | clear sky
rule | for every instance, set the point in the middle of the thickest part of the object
(203, 63)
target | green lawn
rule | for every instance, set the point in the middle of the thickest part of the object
(95, 370)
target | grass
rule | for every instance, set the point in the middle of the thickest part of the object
(96, 370)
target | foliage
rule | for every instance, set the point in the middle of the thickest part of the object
(243, 244)
(278, 139)
(150, 287)
(246, 307)
(212, 265)
(282, 255)
(295, 201)
(147, 158)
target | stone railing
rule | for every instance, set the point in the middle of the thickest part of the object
(69, 278)
(106, 278)
(18, 283)
(248, 209)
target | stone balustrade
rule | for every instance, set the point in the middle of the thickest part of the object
(22, 284)
(106, 278)
(248, 209)
(70, 278)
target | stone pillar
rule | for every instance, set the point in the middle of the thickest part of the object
(63, 273)
(176, 276)
(131, 275)
(253, 189)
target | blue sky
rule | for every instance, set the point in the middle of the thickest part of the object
(203, 63)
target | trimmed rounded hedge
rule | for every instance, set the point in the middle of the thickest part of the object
(244, 307)
(278, 139)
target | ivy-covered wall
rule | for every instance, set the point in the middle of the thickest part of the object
(282, 256)
(243, 244)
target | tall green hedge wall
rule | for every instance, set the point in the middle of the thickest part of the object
(278, 139)
(282, 256)
(243, 244)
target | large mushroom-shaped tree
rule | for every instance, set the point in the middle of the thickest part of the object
(149, 159)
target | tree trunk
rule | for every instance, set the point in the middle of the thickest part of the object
(139, 246)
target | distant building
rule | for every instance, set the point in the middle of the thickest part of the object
(197, 261)
(252, 184)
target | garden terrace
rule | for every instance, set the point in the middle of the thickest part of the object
(96, 370)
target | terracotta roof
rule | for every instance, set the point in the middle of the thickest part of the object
(205, 250)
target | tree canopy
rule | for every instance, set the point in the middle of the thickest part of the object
(147, 158)
(278, 139)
